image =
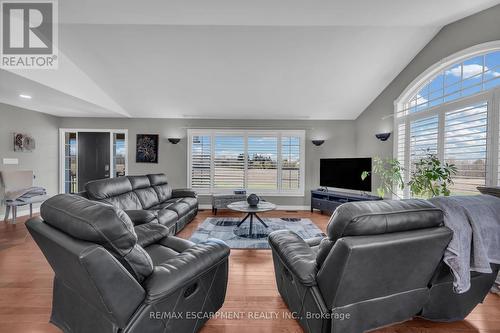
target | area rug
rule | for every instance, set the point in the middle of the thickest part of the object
(225, 228)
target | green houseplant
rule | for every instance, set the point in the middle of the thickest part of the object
(390, 173)
(431, 178)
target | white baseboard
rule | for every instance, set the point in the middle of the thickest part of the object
(278, 207)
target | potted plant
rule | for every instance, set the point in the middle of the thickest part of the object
(390, 173)
(431, 178)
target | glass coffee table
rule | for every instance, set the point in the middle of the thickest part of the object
(244, 207)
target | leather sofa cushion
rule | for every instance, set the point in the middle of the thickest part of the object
(159, 253)
(125, 201)
(150, 233)
(191, 202)
(139, 216)
(99, 223)
(384, 216)
(160, 184)
(147, 197)
(106, 188)
(181, 208)
(167, 217)
(138, 182)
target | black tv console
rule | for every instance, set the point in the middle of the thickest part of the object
(328, 201)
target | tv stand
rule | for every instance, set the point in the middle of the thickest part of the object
(328, 201)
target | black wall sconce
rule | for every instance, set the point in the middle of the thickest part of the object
(383, 136)
(318, 142)
(174, 140)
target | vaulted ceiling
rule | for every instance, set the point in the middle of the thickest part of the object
(260, 59)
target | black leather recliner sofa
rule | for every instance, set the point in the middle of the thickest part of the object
(146, 199)
(379, 264)
(113, 277)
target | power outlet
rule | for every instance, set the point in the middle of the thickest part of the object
(10, 161)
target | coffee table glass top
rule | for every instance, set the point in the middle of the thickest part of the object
(243, 206)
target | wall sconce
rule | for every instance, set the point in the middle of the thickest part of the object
(174, 140)
(318, 142)
(383, 136)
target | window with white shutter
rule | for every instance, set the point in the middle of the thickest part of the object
(290, 163)
(455, 113)
(201, 159)
(229, 162)
(261, 161)
(465, 135)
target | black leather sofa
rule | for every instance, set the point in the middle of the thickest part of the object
(146, 199)
(380, 263)
(113, 277)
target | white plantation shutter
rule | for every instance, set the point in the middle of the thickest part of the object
(290, 163)
(262, 172)
(229, 162)
(423, 138)
(201, 159)
(262, 161)
(465, 136)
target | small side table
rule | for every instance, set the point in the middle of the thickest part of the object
(221, 201)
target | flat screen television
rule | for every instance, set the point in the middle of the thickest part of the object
(346, 173)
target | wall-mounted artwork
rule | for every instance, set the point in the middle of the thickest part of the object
(146, 150)
(23, 142)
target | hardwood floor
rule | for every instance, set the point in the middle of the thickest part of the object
(26, 290)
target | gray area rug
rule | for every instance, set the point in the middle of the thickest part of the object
(225, 228)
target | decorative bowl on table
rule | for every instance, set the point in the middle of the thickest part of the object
(253, 200)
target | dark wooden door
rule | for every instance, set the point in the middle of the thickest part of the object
(93, 157)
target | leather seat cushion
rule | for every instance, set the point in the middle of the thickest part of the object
(167, 217)
(192, 202)
(99, 223)
(150, 233)
(181, 208)
(159, 253)
(384, 216)
(161, 206)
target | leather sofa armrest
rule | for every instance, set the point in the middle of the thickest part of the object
(296, 255)
(185, 268)
(140, 216)
(183, 193)
(313, 241)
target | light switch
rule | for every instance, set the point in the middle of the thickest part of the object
(14, 161)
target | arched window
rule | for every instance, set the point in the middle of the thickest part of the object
(452, 110)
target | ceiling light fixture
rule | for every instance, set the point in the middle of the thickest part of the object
(25, 96)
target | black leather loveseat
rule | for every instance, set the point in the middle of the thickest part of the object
(379, 264)
(113, 277)
(146, 199)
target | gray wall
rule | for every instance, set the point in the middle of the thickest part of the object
(339, 135)
(476, 29)
(44, 159)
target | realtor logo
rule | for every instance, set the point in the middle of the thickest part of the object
(29, 34)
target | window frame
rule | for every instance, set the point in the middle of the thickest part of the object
(245, 133)
(491, 97)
